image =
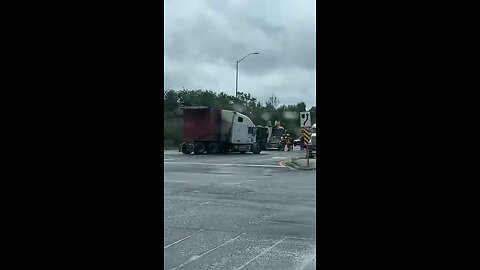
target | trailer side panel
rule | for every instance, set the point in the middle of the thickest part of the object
(201, 125)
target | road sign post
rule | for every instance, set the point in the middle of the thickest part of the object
(306, 135)
(306, 123)
(308, 158)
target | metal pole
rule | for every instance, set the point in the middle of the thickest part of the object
(236, 80)
(308, 161)
(236, 83)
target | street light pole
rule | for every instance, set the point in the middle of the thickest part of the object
(236, 80)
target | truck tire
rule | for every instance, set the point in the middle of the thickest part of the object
(256, 149)
(212, 148)
(199, 149)
(187, 148)
(263, 146)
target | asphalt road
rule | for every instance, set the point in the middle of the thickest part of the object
(238, 211)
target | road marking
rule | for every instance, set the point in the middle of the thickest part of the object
(289, 223)
(195, 257)
(238, 183)
(291, 168)
(176, 181)
(263, 252)
(185, 238)
(224, 165)
(303, 238)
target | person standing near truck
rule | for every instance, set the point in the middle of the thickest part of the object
(289, 142)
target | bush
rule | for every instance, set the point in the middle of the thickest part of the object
(172, 135)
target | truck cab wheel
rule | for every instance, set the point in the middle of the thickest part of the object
(199, 149)
(256, 148)
(212, 148)
(187, 148)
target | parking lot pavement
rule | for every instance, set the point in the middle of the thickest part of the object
(250, 214)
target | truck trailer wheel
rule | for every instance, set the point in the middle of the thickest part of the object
(187, 148)
(212, 148)
(199, 149)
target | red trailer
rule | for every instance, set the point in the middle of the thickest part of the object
(209, 130)
(213, 131)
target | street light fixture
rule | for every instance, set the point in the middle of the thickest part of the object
(236, 81)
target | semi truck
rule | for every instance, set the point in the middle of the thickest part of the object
(275, 135)
(211, 131)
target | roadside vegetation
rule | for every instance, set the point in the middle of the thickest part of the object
(259, 112)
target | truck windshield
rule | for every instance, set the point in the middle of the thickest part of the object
(278, 132)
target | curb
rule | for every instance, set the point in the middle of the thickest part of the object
(295, 166)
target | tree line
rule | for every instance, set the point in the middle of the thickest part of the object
(259, 112)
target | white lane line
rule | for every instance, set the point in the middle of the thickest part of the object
(302, 238)
(193, 258)
(176, 181)
(185, 238)
(238, 183)
(283, 164)
(237, 165)
(290, 223)
(263, 252)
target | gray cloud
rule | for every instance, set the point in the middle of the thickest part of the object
(203, 40)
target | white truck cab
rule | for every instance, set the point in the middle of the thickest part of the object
(313, 139)
(243, 130)
(312, 144)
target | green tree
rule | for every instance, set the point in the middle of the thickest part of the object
(272, 102)
(170, 100)
(224, 101)
(313, 114)
(301, 107)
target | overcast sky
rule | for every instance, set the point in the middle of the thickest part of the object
(205, 38)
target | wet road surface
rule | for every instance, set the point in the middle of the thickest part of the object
(238, 211)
